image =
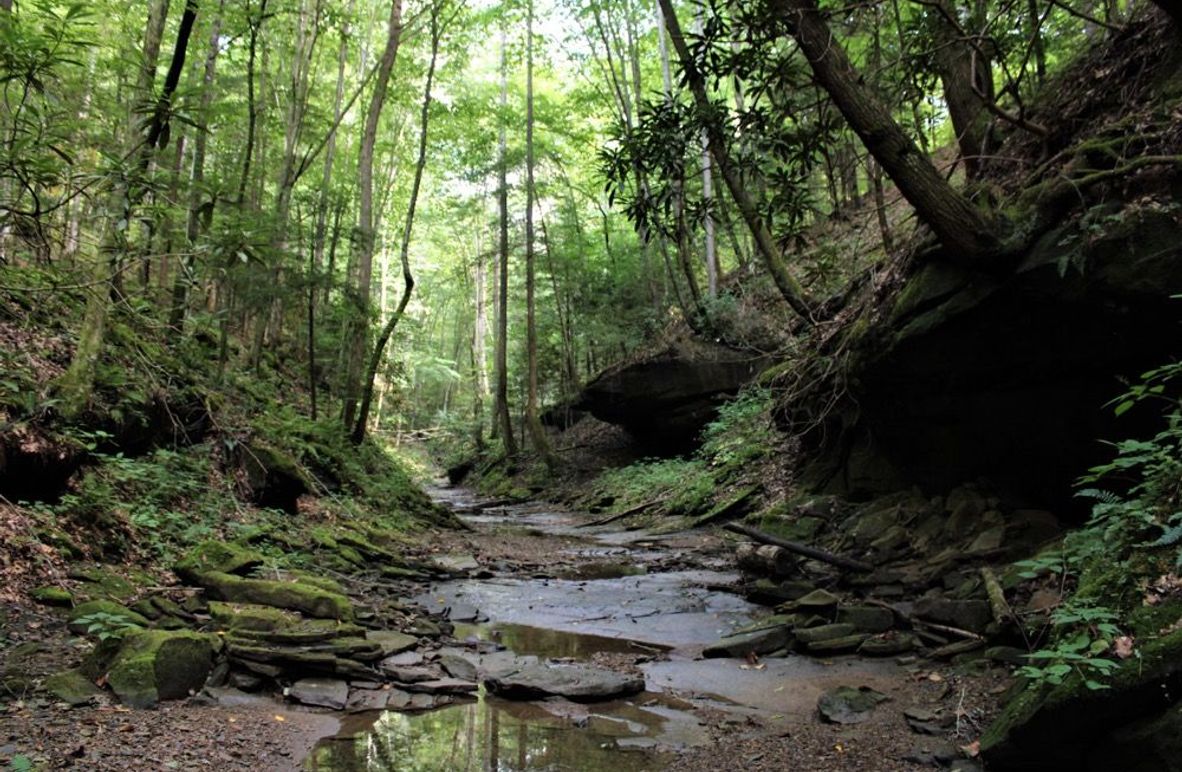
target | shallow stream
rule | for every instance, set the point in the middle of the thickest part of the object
(606, 597)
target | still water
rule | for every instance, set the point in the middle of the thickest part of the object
(493, 735)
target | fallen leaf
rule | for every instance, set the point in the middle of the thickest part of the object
(972, 750)
(279, 718)
(1123, 646)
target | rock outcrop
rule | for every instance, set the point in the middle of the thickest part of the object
(665, 398)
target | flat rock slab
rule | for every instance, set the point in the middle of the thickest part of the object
(577, 683)
(458, 667)
(361, 700)
(321, 692)
(849, 705)
(756, 642)
(391, 641)
(444, 686)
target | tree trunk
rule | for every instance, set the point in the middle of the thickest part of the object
(365, 235)
(501, 406)
(185, 272)
(966, 232)
(379, 348)
(480, 339)
(532, 422)
(789, 288)
(967, 77)
(252, 117)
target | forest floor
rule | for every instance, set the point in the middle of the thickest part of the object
(535, 583)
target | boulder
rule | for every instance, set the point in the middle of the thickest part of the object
(154, 665)
(574, 682)
(273, 478)
(867, 619)
(971, 615)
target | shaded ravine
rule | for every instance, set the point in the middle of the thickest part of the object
(632, 600)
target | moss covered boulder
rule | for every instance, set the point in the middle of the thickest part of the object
(52, 596)
(153, 665)
(72, 687)
(294, 595)
(222, 557)
(103, 615)
(1072, 727)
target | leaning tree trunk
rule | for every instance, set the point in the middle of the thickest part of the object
(789, 288)
(966, 233)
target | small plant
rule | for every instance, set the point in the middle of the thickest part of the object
(107, 626)
(1091, 632)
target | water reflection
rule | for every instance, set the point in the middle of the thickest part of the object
(493, 735)
(526, 640)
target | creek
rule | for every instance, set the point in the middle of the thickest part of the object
(634, 600)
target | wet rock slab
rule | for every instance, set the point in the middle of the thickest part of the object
(577, 683)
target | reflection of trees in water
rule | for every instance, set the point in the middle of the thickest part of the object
(486, 736)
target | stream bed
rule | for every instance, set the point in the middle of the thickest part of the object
(607, 596)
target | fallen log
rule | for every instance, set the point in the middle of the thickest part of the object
(613, 517)
(801, 549)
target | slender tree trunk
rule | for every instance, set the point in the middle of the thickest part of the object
(967, 234)
(255, 23)
(379, 349)
(330, 150)
(501, 407)
(365, 234)
(479, 339)
(708, 202)
(185, 272)
(532, 422)
(789, 288)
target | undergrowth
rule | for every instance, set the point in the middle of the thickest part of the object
(1123, 565)
(733, 447)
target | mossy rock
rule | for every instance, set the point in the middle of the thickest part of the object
(251, 616)
(1068, 726)
(52, 596)
(302, 633)
(108, 607)
(294, 596)
(99, 582)
(154, 665)
(222, 557)
(316, 580)
(72, 687)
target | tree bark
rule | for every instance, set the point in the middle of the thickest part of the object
(532, 422)
(965, 232)
(375, 361)
(185, 272)
(967, 78)
(365, 235)
(501, 406)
